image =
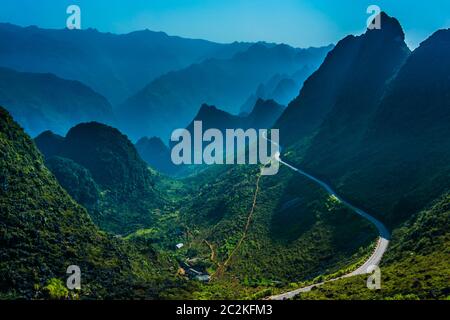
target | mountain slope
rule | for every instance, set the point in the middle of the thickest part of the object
(42, 102)
(116, 66)
(49, 144)
(224, 82)
(401, 163)
(110, 157)
(263, 116)
(384, 120)
(212, 117)
(280, 88)
(75, 178)
(416, 267)
(43, 231)
(128, 198)
(381, 53)
(156, 154)
(352, 76)
(294, 233)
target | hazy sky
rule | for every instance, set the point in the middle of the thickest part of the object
(299, 23)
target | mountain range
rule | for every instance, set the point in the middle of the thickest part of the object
(43, 231)
(157, 155)
(262, 116)
(115, 66)
(139, 79)
(41, 102)
(371, 121)
(223, 82)
(391, 127)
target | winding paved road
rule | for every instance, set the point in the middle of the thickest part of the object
(374, 259)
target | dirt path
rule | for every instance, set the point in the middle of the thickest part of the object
(222, 267)
(213, 252)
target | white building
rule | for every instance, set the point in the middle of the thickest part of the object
(180, 245)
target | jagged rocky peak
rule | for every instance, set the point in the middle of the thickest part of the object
(389, 26)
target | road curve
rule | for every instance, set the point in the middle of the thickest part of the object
(374, 259)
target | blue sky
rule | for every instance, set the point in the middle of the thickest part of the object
(299, 23)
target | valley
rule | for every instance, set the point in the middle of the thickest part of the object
(88, 177)
(372, 261)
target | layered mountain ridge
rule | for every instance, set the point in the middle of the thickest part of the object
(223, 82)
(41, 102)
(127, 186)
(116, 66)
(371, 121)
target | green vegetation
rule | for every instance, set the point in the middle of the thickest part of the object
(296, 233)
(101, 169)
(43, 231)
(56, 290)
(76, 179)
(385, 145)
(172, 100)
(416, 267)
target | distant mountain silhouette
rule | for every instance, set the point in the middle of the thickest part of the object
(380, 54)
(47, 231)
(263, 116)
(352, 76)
(172, 100)
(42, 102)
(214, 118)
(156, 154)
(115, 66)
(280, 88)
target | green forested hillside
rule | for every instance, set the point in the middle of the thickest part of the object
(397, 161)
(384, 147)
(373, 122)
(222, 82)
(391, 157)
(295, 232)
(416, 266)
(42, 102)
(110, 157)
(43, 231)
(122, 196)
